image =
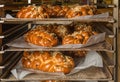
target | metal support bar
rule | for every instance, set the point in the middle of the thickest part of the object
(1, 21)
(115, 29)
(112, 21)
(11, 66)
(5, 57)
(15, 37)
(13, 30)
(105, 5)
(1, 52)
(111, 6)
(29, 1)
(2, 37)
(12, 59)
(2, 5)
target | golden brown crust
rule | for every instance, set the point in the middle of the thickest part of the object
(70, 40)
(81, 11)
(47, 11)
(32, 12)
(41, 38)
(49, 35)
(83, 27)
(80, 53)
(48, 61)
(59, 30)
(78, 37)
(25, 12)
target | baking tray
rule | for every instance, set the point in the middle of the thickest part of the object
(103, 19)
(92, 73)
(102, 46)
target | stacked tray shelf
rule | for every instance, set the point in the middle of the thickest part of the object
(92, 73)
(101, 19)
(103, 46)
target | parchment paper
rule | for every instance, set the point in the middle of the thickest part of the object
(8, 16)
(92, 59)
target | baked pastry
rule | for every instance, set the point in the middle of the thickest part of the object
(47, 61)
(32, 12)
(48, 28)
(84, 35)
(71, 40)
(81, 11)
(63, 11)
(25, 12)
(61, 30)
(80, 53)
(72, 13)
(53, 10)
(82, 27)
(78, 37)
(65, 8)
(48, 11)
(41, 38)
(56, 8)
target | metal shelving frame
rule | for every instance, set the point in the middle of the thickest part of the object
(115, 29)
(113, 20)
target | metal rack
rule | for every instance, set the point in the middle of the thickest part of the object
(100, 74)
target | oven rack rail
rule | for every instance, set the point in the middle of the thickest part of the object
(94, 73)
(102, 46)
(109, 19)
(37, 3)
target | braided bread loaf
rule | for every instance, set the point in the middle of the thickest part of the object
(78, 37)
(59, 30)
(32, 12)
(80, 53)
(47, 11)
(41, 38)
(83, 27)
(48, 61)
(81, 11)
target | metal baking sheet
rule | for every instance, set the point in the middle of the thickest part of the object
(102, 46)
(92, 73)
(105, 19)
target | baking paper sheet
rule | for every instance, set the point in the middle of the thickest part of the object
(8, 16)
(21, 43)
(92, 59)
